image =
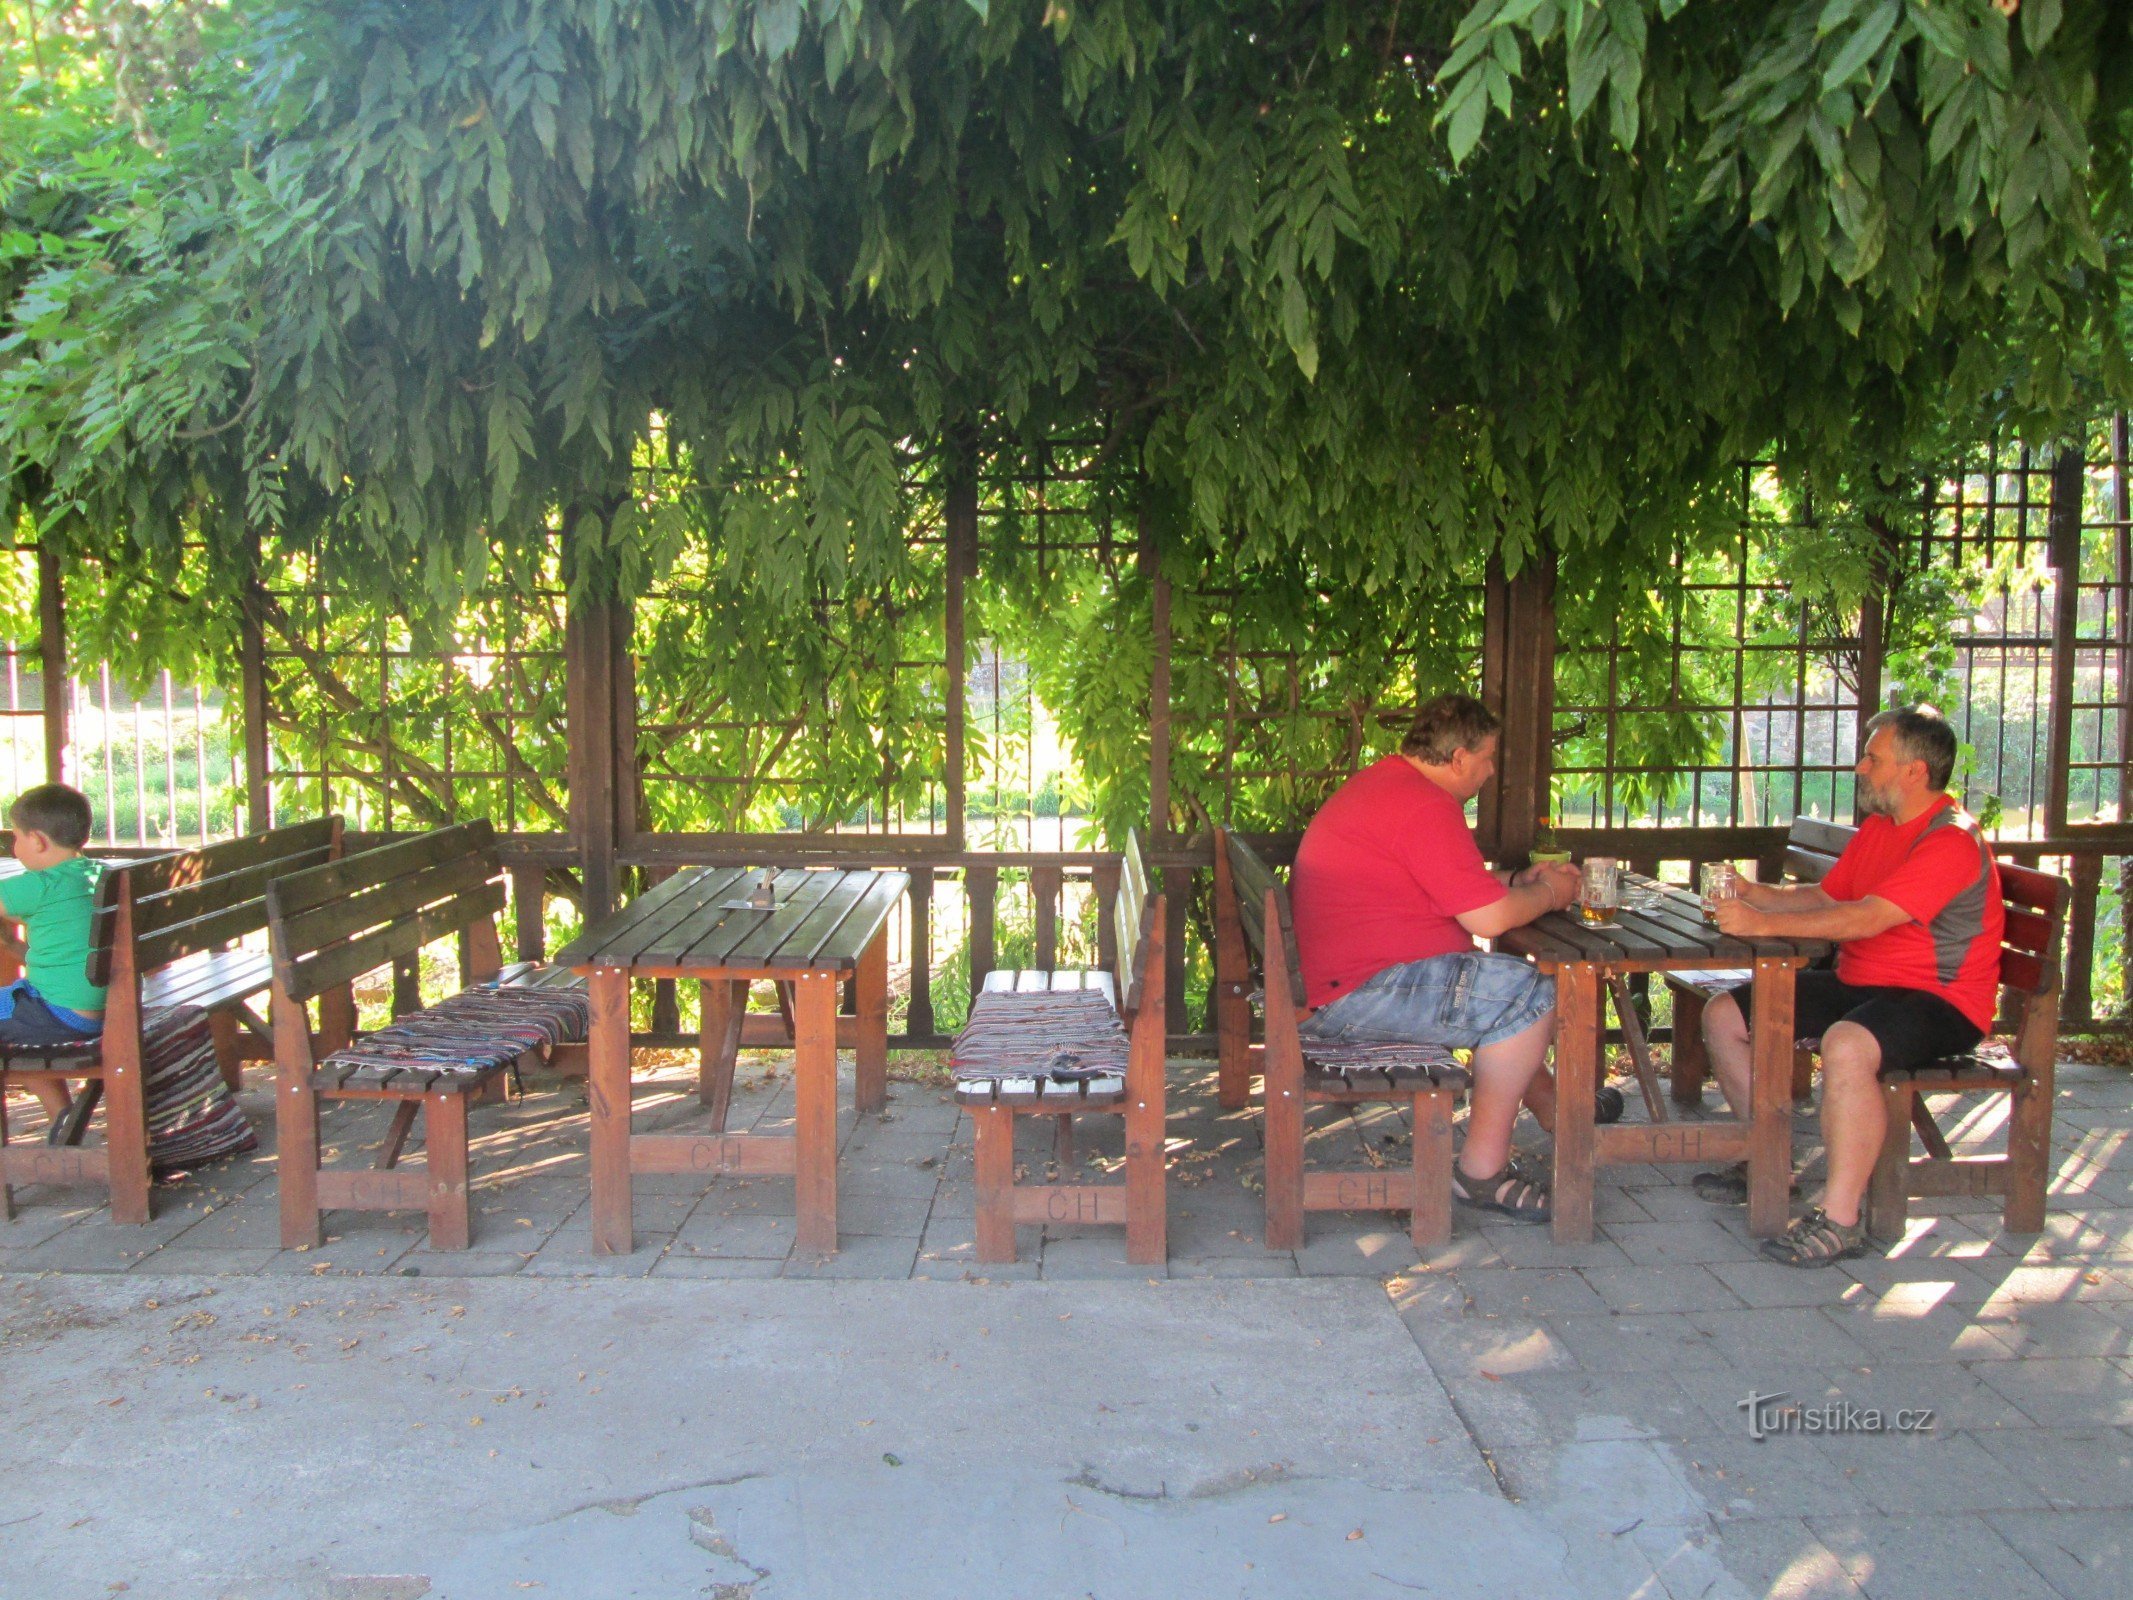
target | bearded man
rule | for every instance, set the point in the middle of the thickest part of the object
(1914, 907)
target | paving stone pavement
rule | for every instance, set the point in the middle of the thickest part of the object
(1648, 1339)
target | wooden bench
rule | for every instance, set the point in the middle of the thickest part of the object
(1811, 849)
(332, 924)
(2035, 905)
(1058, 1043)
(1252, 916)
(165, 934)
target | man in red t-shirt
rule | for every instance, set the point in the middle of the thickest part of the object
(1914, 903)
(1389, 891)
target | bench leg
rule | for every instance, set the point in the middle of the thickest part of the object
(7, 1189)
(296, 1154)
(1430, 1223)
(1803, 1075)
(444, 1131)
(1691, 1066)
(336, 1021)
(996, 1182)
(223, 1029)
(1147, 1197)
(2029, 1156)
(1284, 1159)
(126, 1127)
(1888, 1191)
(396, 1135)
(1063, 1141)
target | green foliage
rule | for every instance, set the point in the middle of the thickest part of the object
(642, 299)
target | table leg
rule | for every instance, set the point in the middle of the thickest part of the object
(608, 1085)
(815, 1094)
(872, 1045)
(1577, 1062)
(722, 1005)
(1770, 1100)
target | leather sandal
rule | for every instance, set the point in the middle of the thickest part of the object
(1506, 1191)
(1815, 1241)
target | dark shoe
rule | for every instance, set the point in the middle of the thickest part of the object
(1607, 1104)
(1507, 1191)
(1815, 1241)
(1728, 1186)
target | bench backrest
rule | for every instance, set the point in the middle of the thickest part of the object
(1252, 880)
(334, 923)
(1134, 919)
(1812, 847)
(2035, 903)
(196, 900)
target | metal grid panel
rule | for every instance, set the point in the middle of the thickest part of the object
(1272, 704)
(1054, 531)
(1752, 717)
(402, 729)
(832, 719)
(2102, 703)
(1985, 526)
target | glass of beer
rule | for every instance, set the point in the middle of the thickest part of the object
(1720, 882)
(1600, 891)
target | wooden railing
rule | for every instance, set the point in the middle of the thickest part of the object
(1054, 879)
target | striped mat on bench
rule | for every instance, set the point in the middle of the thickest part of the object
(1065, 1035)
(471, 1033)
(192, 1116)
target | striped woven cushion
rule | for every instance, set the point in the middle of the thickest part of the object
(1341, 1055)
(1062, 1034)
(192, 1117)
(474, 1032)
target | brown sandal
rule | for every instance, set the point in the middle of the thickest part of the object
(1507, 1191)
(1815, 1241)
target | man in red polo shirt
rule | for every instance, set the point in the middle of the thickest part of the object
(1389, 891)
(1914, 903)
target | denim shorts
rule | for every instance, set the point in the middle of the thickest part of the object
(1460, 1001)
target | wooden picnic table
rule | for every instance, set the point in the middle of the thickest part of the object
(1672, 937)
(825, 925)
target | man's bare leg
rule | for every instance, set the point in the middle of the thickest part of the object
(1855, 1119)
(1504, 1072)
(1726, 1044)
(1540, 1098)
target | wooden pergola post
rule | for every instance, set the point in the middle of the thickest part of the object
(1518, 684)
(2063, 553)
(52, 661)
(252, 675)
(1177, 881)
(1873, 626)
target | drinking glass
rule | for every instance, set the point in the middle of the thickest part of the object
(1600, 890)
(1719, 882)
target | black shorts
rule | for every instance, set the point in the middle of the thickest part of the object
(1911, 1026)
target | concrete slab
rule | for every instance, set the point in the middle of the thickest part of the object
(429, 1428)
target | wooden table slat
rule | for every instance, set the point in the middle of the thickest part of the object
(796, 942)
(681, 918)
(615, 937)
(755, 938)
(842, 945)
(705, 937)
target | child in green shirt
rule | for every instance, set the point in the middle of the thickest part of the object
(55, 901)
